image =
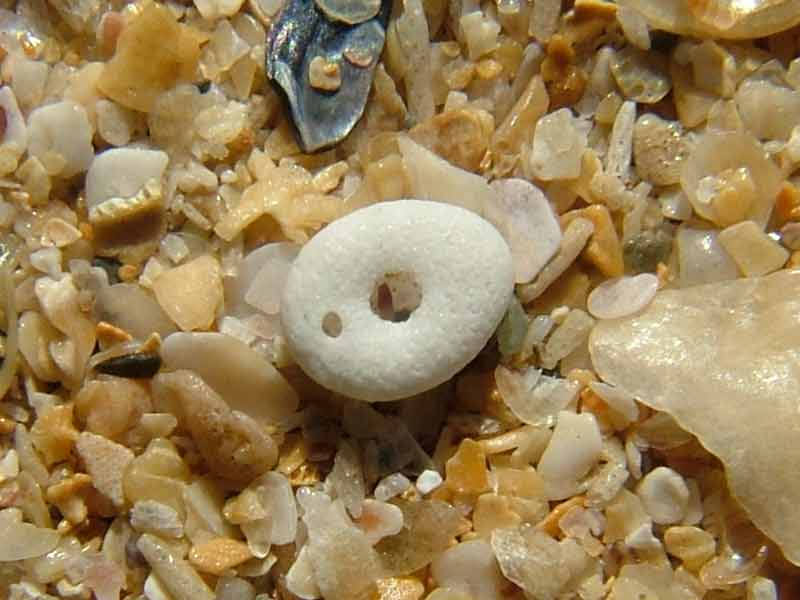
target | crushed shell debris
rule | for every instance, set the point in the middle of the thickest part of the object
(612, 420)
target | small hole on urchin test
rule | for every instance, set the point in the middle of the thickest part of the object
(395, 296)
(332, 324)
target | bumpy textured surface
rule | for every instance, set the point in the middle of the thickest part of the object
(462, 265)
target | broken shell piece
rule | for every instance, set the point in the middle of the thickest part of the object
(727, 19)
(123, 193)
(60, 303)
(534, 398)
(622, 296)
(23, 540)
(105, 461)
(263, 274)
(659, 149)
(469, 567)
(300, 578)
(430, 177)
(558, 145)
(753, 251)
(122, 172)
(642, 76)
(522, 213)
(459, 262)
(531, 559)
(701, 257)
(716, 153)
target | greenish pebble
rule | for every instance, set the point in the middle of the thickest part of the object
(512, 329)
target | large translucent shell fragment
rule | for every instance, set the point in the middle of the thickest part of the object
(723, 359)
(728, 19)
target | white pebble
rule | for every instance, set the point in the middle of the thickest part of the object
(574, 448)
(265, 289)
(642, 540)
(471, 570)
(623, 296)
(300, 579)
(665, 495)
(154, 589)
(47, 260)
(391, 486)
(122, 173)
(154, 517)
(114, 123)
(15, 138)
(9, 465)
(620, 145)
(760, 588)
(428, 481)
(461, 266)
(61, 129)
(522, 213)
(558, 145)
(174, 247)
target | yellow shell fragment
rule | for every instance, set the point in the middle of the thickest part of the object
(727, 19)
(137, 74)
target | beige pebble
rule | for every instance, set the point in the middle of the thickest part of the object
(664, 494)
(753, 251)
(218, 555)
(604, 249)
(692, 545)
(191, 293)
(324, 74)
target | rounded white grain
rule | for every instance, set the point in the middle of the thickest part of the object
(622, 296)
(665, 495)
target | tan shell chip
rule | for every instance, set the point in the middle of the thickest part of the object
(724, 360)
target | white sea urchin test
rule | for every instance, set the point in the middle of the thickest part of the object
(396, 298)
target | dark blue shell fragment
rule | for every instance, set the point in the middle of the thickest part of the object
(302, 32)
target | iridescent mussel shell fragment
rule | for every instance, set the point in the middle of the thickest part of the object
(322, 55)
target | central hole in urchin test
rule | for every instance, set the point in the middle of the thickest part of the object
(395, 296)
